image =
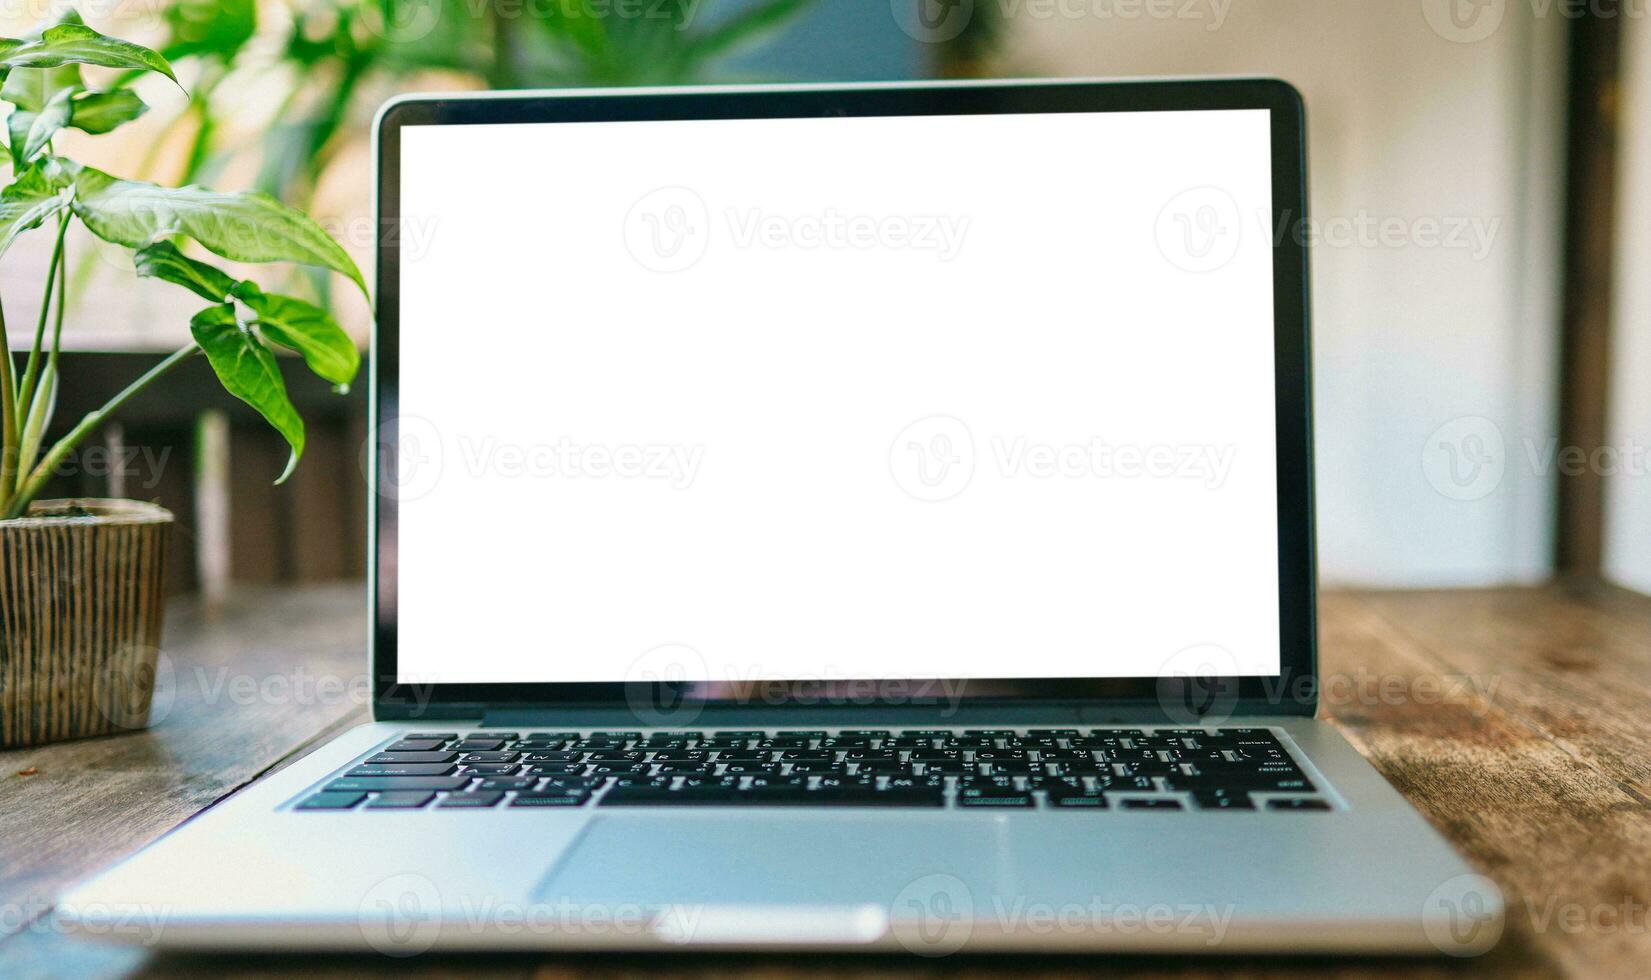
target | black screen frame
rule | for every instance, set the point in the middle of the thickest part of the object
(1293, 691)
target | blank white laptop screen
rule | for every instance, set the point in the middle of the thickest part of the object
(980, 396)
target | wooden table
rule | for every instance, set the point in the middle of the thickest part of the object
(1518, 720)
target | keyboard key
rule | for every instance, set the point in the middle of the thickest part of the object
(1249, 782)
(490, 757)
(554, 769)
(750, 768)
(1298, 804)
(367, 784)
(432, 736)
(574, 782)
(619, 768)
(982, 796)
(491, 768)
(416, 745)
(399, 801)
(331, 801)
(407, 758)
(480, 745)
(509, 782)
(919, 796)
(478, 800)
(654, 795)
(552, 797)
(684, 768)
(417, 769)
(818, 768)
(1077, 798)
(552, 756)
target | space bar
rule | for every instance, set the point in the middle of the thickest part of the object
(782, 796)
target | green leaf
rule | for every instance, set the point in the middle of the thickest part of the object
(99, 112)
(67, 44)
(745, 28)
(305, 328)
(31, 89)
(213, 28)
(245, 226)
(37, 194)
(162, 260)
(248, 371)
(29, 132)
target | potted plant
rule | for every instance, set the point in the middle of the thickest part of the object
(81, 580)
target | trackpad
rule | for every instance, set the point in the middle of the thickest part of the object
(733, 860)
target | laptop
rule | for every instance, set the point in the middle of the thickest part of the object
(867, 517)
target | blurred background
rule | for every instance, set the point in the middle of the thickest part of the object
(1481, 233)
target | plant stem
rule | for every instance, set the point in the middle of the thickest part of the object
(31, 373)
(8, 418)
(62, 302)
(43, 470)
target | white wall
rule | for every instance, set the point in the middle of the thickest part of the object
(1423, 348)
(1628, 485)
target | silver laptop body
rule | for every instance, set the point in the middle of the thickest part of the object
(832, 518)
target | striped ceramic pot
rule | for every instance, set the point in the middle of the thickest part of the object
(81, 590)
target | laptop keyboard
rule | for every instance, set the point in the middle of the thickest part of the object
(1241, 769)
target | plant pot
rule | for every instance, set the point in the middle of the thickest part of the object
(81, 590)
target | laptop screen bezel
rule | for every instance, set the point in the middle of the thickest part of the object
(1291, 691)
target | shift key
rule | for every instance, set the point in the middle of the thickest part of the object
(388, 758)
(370, 784)
(416, 769)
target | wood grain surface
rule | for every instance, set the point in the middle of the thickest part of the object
(1517, 720)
